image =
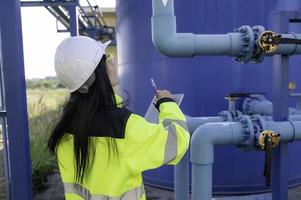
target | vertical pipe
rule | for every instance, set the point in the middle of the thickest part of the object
(231, 104)
(73, 20)
(202, 173)
(202, 153)
(15, 94)
(181, 170)
(280, 113)
(181, 174)
(280, 88)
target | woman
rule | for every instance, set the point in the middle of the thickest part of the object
(101, 147)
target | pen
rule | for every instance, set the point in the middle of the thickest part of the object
(154, 85)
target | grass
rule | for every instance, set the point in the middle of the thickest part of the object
(3, 180)
(44, 108)
(3, 188)
(51, 98)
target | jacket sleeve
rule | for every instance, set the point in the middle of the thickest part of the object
(151, 145)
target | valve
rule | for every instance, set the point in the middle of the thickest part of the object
(270, 41)
(268, 140)
(271, 135)
(267, 42)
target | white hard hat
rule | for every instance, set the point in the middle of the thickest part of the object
(76, 58)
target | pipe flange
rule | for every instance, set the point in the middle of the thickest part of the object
(247, 103)
(247, 38)
(257, 54)
(235, 114)
(261, 120)
(248, 132)
(259, 123)
(226, 116)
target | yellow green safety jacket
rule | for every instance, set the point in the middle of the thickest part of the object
(143, 146)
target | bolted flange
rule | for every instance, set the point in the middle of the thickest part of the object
(247, 37)
(257, 54)
(248, 132)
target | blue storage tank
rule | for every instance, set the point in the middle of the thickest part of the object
(205, 80)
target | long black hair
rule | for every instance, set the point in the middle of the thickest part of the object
(85, 115)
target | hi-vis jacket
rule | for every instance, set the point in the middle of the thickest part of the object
(143, 146)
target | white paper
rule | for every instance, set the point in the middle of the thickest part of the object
(152, 114)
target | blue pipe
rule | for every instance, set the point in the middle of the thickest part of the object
(291, 118)
(207, 136)
(289, 130)
(291, 5)
(194, 122)
(263, 107)
(181, 173)
(202, 153)
(181, 170)
(170, 43)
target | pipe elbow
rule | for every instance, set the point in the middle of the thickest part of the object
(175, 44)
(202, 146)
(207, 136)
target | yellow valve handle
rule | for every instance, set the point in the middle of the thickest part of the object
(275, 138)
(267, 41)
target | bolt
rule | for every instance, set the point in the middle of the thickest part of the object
(237, 59)
(246, 38)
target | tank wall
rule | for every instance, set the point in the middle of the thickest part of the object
(205, 80)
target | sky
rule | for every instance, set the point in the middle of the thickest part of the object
(40, 39)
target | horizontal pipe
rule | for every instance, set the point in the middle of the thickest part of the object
(289, 130)
(194, 122)
(291, 5)
(291, 118)
(263, 107)
(170, 43)
(226, 133)
(211, 134)
(288, 49)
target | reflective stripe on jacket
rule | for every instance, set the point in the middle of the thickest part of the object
(117, 176)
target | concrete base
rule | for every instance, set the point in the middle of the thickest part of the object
(157, 193)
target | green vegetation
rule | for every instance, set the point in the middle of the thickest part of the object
(47, 83)
(2, 188)
(44, 107)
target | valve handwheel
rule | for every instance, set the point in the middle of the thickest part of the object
(268, 41)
